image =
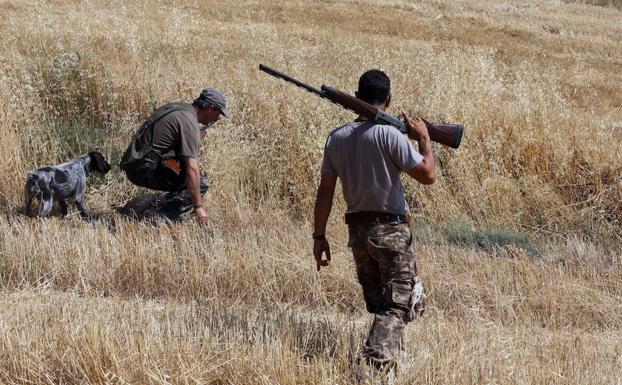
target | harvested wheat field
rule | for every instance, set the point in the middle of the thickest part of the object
(519, 240)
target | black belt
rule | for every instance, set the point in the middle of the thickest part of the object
(375, 216)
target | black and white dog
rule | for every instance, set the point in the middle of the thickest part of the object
(58, 183)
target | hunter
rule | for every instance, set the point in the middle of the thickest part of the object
(164, 153)
(368, 158)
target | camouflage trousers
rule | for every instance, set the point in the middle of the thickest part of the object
(173, 206)
(150, 173)
(387, 272)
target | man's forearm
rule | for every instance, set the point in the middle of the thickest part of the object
(193, 181)
(425, 149)
(425, 171)
(323, 206)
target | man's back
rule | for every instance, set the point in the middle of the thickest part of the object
(368, 158)
(178, 131)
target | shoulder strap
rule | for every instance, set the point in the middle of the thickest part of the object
(166, 109)
(364, 125)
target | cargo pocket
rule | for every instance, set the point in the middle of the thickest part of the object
(401, 294)
(409, 298)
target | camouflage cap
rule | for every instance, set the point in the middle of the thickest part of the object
(215, 98)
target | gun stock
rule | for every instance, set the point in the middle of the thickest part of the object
(444, 133)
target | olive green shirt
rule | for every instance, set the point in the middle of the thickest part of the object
(178, 131)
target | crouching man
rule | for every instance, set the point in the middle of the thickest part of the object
(164, 152)
(368, 158)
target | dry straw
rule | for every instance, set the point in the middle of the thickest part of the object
(538, 85)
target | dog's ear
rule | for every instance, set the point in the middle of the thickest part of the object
(98, 162)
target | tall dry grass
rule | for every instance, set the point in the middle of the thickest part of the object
(538, 85)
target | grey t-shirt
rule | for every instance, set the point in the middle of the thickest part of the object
(368, 158)
(178, 131)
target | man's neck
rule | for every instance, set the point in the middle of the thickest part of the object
(361, 118)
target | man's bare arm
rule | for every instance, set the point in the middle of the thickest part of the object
(424, 172)
(324, 202)
(323, 205)
(193, 182)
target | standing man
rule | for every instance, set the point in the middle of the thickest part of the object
(368, 157)
(164, 153)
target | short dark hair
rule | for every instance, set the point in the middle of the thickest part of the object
(374, 87)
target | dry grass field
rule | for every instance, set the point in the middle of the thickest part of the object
(519, 241)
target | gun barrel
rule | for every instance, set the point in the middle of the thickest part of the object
(281, 75)
(349, 102)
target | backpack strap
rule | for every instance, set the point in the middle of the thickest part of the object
(165, 110)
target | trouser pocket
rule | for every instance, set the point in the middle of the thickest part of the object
(400, 294)
(410, 298)
(400, 298)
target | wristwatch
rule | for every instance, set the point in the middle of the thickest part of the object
(319, 237)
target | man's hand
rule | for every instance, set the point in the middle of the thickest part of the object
(417, 129)
(320, 247)
(201, 215)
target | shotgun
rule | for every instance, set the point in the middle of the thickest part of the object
(447, 134)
